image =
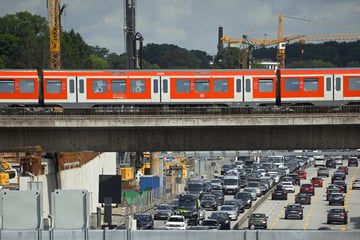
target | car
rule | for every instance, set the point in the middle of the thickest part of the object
(338, 160)
(295, 177)
(336, 198)
(144, 221)
(294, 211)
(257, 220)
(301, 173)
(175, 203)
(323, 171)
(330, 191)
(211, 224)
(216, 184)
(176, 222)
(356, 184)
(317, 181)
(307, 188)
(342, 184)
(288, 187)
(330, 163)
(236, 203)
(209, 201)
(279, 194)
(303, 198)
(220, 196)
(339, 215)
(343, 168)
(252, 192)
(338, 175)
(353, 161)
(202, 214)
(222, 218)
(163, 211)
(231, 210)
(245, 197)
(255, 185)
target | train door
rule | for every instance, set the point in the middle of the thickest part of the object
(165, 89)
(328, 85)
(238, 90)
(81, 89)
(338, 87)
(156, 93)
(71, 90)
(248, 89)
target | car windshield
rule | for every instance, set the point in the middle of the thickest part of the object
(307, 185)
(210, 223)
(142, 217)
(212, 198)
(163, 207)
(175, 219)
(287, 183)
(228, 208)
(293, 207)
(257, 215)
(337, 210)
(218, 215)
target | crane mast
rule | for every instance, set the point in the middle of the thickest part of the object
(54, 17)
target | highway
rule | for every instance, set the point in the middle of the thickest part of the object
(315, 215)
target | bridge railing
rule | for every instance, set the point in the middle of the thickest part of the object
(175, 111)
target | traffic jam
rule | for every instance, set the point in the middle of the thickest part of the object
(266, 193)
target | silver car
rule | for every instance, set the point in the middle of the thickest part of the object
(231, 211)
(252, 192)
(356, 183)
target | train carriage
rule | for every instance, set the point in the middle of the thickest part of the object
(19, 87)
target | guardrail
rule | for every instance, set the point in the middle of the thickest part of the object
(173, 110)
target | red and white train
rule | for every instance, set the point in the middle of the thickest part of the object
(87, 88)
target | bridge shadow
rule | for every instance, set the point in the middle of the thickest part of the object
(355, 221)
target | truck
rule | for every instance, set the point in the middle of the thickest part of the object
(231, 184)
(189, 207)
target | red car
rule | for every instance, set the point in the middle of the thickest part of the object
(343, 168)
(307, 188)
(317, 182)
(301, 173)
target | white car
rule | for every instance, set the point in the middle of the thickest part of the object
(176, 222)
(288, 187)
(356, 183)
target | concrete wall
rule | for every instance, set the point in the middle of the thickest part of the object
(86, 177)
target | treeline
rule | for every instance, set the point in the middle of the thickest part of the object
(24, 44)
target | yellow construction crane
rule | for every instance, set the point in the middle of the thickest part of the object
(54, 21)
(281, 40)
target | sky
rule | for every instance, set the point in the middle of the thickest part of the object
(193, 24)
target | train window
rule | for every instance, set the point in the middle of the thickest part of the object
(202, 85)
(99, 86)
(238, 85)
(311, 84)
(7, 86)
(182, 86)
(328, 84)
(118, 86)
(53, 86)
(27, 86)
(137, 86)
(354, 83)
(338, 84)
(247, 85)
(292, 84)
(72, 86)
(81, 86)
(266, 85)
(156, 86)
(165, 86)
(221, 85)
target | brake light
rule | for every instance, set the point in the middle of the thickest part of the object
(307, 198)
(343, 214)
(330, 214)
(297, 198)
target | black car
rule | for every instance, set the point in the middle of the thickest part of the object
(209, 201)
(353, 161)
(338, 175)
(222, 218)
(330, 163)
(211, 224)
(245, 198)
(336, 198)
(342, 184)
(163, 211)
(257, 220)
(144, 221)
(294, 211)
(220, 196)
(295, 177)
(337, 215)
(303, 198)
(279, 194)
